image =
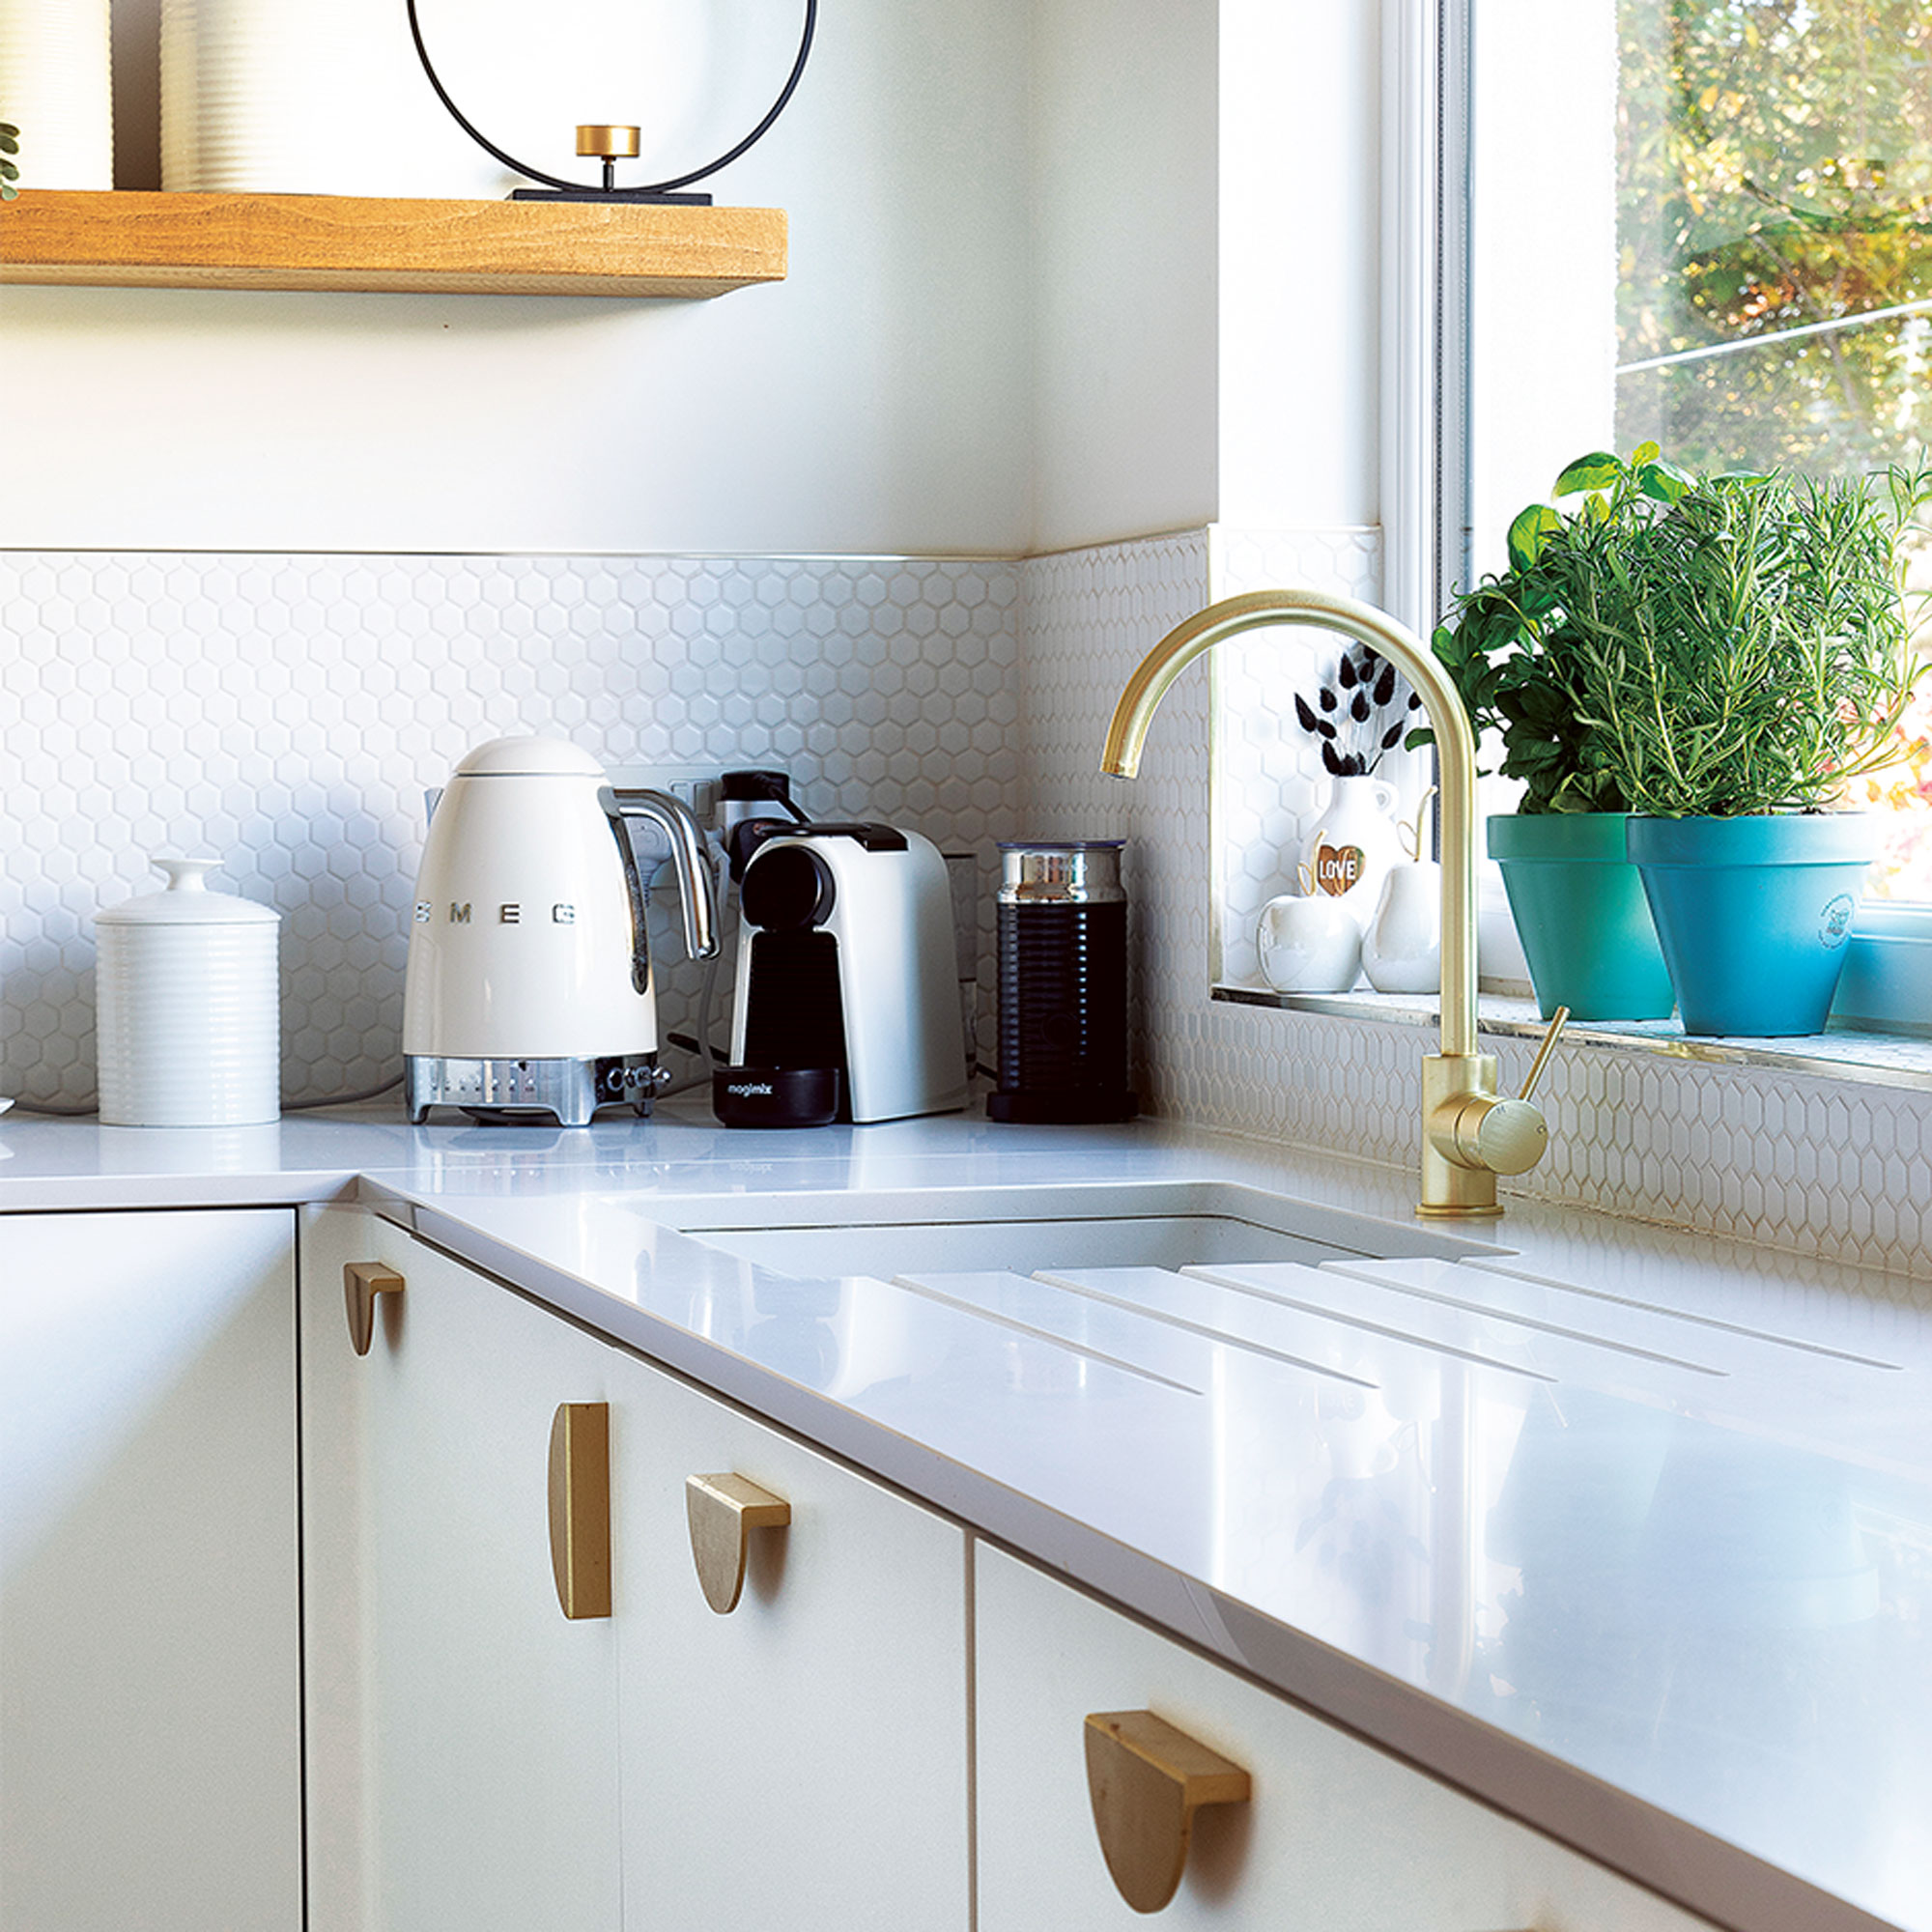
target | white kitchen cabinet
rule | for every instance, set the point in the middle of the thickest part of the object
(801, 1761)
(150, 1688)
(1335, 1836)
(462, 1730)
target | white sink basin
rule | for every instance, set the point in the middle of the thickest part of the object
(1023, 1230)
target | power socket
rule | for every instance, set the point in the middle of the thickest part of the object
(694, 786)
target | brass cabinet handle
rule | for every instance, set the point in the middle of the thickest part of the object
(579, 1508)
(1147, 1780)
(362, 1283)
(724, 1511)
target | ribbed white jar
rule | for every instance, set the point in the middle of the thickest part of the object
(54, 87)
(189, 1019)
(258, 95)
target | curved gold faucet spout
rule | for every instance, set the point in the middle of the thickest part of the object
(1459, 1080)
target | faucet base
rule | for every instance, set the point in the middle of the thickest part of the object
(1451, 1191)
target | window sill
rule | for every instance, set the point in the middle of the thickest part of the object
(1847, 1053)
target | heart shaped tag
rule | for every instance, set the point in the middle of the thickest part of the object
(1338, 869)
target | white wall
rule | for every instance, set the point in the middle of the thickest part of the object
(1125, 260)
(875, 401)
(1300, 323)
(1063, 271)
(1207, 266)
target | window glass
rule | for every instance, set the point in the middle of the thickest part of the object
(1762, 173)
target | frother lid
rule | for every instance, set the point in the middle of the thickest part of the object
(529, 758)
(1074, 872)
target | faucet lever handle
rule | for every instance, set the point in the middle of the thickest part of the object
(1558, 1020)
(1480, 1131)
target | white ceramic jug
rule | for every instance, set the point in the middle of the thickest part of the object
(1354, 844)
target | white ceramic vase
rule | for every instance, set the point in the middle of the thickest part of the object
(55, 88)
(259, 96)
(187, 1018)
(1354, 843)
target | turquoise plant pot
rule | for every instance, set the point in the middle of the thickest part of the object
(1581, 914)
(1753, 913)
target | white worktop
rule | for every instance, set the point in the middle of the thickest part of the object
(1625, 1529)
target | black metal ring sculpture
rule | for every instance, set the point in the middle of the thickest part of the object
(590, 191)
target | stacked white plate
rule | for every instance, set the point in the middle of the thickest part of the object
(258, 95)
(188, 992)
(55, 88)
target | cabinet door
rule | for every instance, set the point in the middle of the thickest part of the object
(801, 1761)
(1335, 1833)
(150, 1752)
(463, 1748)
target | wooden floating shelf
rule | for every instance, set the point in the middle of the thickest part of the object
(126, 239)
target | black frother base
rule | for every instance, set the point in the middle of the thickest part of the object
(1072, 1109)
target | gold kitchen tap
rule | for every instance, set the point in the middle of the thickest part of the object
(1469, 1133)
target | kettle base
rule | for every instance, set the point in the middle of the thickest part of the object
(513, 1093)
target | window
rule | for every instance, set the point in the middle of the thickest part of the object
(1706, 223)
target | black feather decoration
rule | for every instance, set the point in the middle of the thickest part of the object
(1356, 712)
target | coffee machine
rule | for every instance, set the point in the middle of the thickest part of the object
(847, 1006)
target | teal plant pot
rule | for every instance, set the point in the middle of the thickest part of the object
(1753, 913)
(1581, 914)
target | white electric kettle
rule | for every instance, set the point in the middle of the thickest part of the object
(529, 988)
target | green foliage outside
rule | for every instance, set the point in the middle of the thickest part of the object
(1775, 172)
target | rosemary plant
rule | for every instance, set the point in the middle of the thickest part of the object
(9, 172)
(1679, 645)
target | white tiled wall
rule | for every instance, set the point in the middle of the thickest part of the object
(1780, 1159)
(285, 713)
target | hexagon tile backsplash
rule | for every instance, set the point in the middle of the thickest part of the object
(285, 713)
(1785, 1160)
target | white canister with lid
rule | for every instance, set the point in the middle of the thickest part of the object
(188, 991)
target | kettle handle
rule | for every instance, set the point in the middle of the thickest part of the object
(697, 892)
